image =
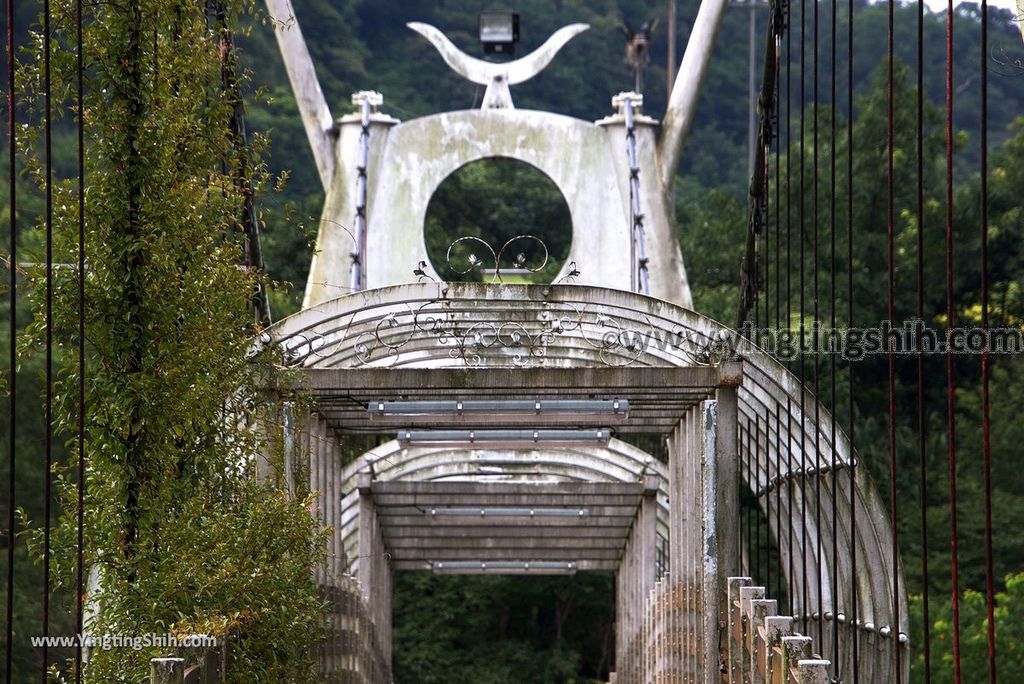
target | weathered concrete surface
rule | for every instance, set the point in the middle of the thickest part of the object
(682, 104)
(498, 76)
(407, 163)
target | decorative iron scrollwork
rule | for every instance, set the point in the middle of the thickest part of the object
(515, 336)
(470, 253)
(434, 330)
(571, 274)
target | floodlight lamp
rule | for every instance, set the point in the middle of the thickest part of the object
(505, 567)
(499, 407)
(499, 32)
(510, 438)
(466, 511)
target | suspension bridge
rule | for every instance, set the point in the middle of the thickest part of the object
(510, 408)
(545, 483)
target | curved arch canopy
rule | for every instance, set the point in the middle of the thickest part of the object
(506, 338)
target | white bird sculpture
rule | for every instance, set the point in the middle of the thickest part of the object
(498, 76)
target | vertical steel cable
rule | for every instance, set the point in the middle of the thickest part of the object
(790, 487)
(854, 616)
(788, 166)
(749, 521)
(12, 359)
(921, 451)
(805, 597)
(890, 313)
(358, 277)
(48, 409)
(757, 501)
(765, 126)
(778, 497)
(778, 174)
(832, 355)
(986, 443)
(816, 323)
(641, 276)
(80, 565)
(950, 321)
(789, 285)
(767, 499)
(765, 108)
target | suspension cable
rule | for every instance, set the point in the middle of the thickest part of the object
(48, 393)
(851, 422)
(986, 443)
(815, 316)
(80, 522)
(950, 377)
(832, 323)
(640, 280)
(12, 359)
(921, 379)
(358, 277)
(890, 135)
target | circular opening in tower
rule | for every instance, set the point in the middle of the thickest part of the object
(498, 219)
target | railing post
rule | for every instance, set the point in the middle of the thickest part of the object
(734, 627)
(288, 447)
(217, 663)
(760, 610)
(746, 641)
(813, 671)
(726, 484)
(725, 506)
(367, 537)
(776, 627)
(794, 649)
(166, 671)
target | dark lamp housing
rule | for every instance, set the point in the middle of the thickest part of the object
(499, 32)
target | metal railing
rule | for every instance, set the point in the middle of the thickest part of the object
(205, 665)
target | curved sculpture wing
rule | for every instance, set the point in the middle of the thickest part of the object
(316, 116)
(479, 71)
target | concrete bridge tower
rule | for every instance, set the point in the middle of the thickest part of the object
(616, 174)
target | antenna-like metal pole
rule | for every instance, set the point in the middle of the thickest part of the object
(671, 70)
(751, 91)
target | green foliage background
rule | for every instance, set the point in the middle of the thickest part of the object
(179, 536)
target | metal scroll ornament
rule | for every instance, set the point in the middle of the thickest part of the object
(433, 332)
(441, 328)
(470, 253)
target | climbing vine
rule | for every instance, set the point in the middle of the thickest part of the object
(180, 535)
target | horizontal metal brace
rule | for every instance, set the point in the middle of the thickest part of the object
(776, 481)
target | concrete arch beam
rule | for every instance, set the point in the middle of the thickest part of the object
(619, 461)
(423, 324)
